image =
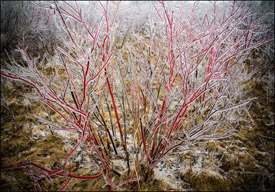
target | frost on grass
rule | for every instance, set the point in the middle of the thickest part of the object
(136, 96)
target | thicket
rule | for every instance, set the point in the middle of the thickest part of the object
(135, 88)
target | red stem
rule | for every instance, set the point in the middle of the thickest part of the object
(114, 104)
(66, 184)
(49, 171)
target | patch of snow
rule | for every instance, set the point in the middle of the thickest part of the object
(78, 158)
(120, 163)
(35, 137)
(43, 133)
(166, 176)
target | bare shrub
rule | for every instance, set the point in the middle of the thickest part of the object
(179, 83)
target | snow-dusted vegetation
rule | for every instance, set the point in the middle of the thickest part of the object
(137, 95)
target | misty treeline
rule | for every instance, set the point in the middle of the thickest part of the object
(24, 18)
